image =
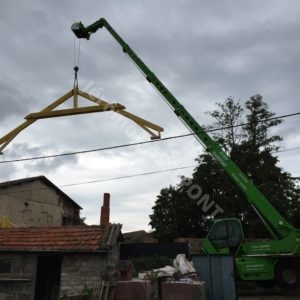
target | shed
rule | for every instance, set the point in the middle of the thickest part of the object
(46, 262)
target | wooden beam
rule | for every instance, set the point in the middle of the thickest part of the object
(74, 111)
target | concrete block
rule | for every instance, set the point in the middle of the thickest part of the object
(129, 290)
(179, 291)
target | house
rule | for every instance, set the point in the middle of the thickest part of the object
(36, 201)
(38, 263)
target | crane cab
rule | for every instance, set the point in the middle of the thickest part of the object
(224, 237)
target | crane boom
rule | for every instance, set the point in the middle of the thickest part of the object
(276, 224)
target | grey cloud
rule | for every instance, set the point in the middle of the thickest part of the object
(47, 165)
(13, 101)
(7, 172)
(51, 164)
(203, 51)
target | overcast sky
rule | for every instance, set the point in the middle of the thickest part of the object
(204, 51)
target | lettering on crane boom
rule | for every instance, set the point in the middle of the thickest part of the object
(255, 267)
(260, 247)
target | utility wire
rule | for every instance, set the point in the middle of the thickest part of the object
(123, 177)
(285, 150)
(103, 180)
(127, 176)
(153, 172)
(147, 173)
(148, 142)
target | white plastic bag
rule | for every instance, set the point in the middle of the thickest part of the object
(183, 265)
(166, 271)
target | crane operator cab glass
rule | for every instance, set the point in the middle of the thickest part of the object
(226, 234)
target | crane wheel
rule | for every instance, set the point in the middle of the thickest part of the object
(287, 274)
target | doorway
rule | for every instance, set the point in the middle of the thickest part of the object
(47, 282)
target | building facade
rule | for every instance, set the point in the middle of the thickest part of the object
(36, 201)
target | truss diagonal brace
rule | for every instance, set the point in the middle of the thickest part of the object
(144, 124)
(5, 140)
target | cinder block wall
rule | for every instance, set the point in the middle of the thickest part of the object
(81, 271)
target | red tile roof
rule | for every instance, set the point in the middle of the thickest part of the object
(64, 238)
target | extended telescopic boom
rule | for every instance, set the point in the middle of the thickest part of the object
(275, 223)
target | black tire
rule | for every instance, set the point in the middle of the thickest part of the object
(287, 274)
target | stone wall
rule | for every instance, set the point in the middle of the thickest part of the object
(78, 272)
(81, 271)
(23, 273)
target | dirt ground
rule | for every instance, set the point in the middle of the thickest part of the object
(253, 291)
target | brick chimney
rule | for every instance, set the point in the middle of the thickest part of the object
(104, 220)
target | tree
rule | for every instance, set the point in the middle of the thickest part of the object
(228, 115)
(260, 120)
(176, 211)
(174, 215)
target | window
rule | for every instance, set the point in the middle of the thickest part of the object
(235, 234)
(5, 266)
(218, 235)
(226, 234)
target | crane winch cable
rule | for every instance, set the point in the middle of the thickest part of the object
(76, 54)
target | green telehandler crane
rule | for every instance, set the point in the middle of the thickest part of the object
(275, 260)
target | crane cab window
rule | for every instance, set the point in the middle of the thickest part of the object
(226, 234)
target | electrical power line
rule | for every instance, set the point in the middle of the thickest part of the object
(104, 180)
(147, 173)
(128, 176)
(288, 149)
(148, 142)
(124, 177)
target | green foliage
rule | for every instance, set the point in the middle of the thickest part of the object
(228, 115)
(256, 131)
(168, 219)
(152, 276)
(251, 146)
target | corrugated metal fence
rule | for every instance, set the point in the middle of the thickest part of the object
(217, 271)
